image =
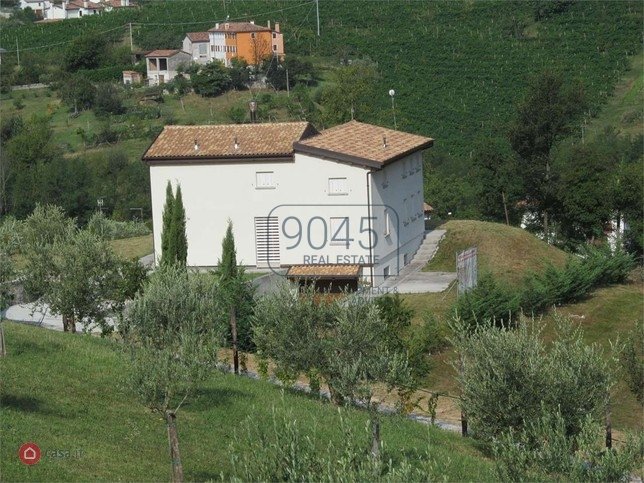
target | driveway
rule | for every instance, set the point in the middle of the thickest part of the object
(42, 317)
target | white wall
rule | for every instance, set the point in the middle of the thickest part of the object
(217, 46)
(390, 187)
(215, 192)
(193, 49)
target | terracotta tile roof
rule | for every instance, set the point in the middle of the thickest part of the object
(239, 27)
(218, 142)
(427, 207)
(163, 53)
(117, 4)
(324, 271)
(78, 4)
(363, 143)
(198, 36)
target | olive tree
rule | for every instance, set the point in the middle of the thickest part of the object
(343, 340)
(172, 334)
(507, 375)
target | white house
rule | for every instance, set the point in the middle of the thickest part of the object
(162, 65)
(65, 9)
(350, 196)
(197, 44)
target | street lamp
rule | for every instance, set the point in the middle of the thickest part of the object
(392, 93)
(253, 110)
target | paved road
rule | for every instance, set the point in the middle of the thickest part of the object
(41, 317)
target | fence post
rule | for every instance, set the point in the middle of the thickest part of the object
(463, 424)
(609, 428)
(3, 349)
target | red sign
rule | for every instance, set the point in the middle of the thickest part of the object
(29, 453)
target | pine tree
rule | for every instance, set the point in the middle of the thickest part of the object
(167, 226)
(179, 240)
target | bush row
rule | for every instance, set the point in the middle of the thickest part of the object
(109, 229)
(495, 302)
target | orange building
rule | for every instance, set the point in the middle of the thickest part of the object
(245, 40)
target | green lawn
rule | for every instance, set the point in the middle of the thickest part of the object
(135, 247)
(68, 392)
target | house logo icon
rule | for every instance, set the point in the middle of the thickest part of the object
(29, 453)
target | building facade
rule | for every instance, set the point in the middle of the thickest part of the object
(349, 196)
(245, 40)
(197, 44)
(162, 65)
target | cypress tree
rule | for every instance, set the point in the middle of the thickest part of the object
(228, 270)
(229, 279)
(166, 232)
(179, 241)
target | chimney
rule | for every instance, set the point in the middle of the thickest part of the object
(269, 24)
(236, 143)
(85, 4)
(384, 141)
(226, 26)
(252, 22)
(277, 27)
(196, 145)
(217, 25)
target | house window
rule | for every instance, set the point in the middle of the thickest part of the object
(387, 223)
(203, 49)
(275, 48)
(264, 180)
(339, 231)
(252, 35)
(163, 64)
(385, 272)
(338, 186)
(274, 35)
(80, 13)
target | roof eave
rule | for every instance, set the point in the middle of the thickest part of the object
(168, 160)
(365, 162)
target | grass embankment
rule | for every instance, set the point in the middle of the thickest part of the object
(510, 254)
(68, 392)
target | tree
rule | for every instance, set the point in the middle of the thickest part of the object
(85, 52)
(211, 80)
(239, 75)
(345, 342)
(299, 72)
(238, 294)
(78, 92)
(178, 230)
(166, 230)
(351, 93)
(507, 375)
(172, 332)
(108, 100)
(498, 181)
(584, 205)
(76, 276)
(544, 115)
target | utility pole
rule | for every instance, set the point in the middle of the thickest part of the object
(18, 51)
(131, 41)
(317, 12)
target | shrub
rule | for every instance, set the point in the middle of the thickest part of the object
(289, 452)
(109, 229)
(632, 361)
(545, 450)
(108, 100)
(489, 302)
(10, 235)
(507, 376)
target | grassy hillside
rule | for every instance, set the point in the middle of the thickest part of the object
(507, 252)
(457, 67)
(67, 392)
